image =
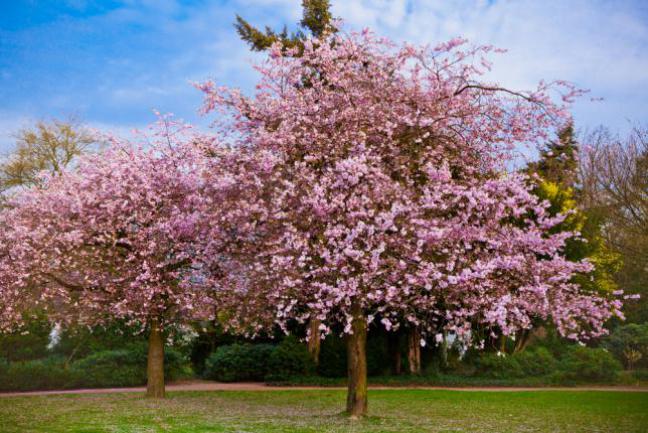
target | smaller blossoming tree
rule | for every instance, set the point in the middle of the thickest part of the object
(112, 239)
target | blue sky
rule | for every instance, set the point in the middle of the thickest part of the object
(112, 62)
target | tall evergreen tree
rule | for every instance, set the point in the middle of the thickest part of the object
(317, 21)
(558, 161)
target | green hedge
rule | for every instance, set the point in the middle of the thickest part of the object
(530, 363)
(112, 368)
(103, 369)
(590, 365)
(238, 362)
(257, 362)
(80, 341)
(576, 364)
(289, 359)
(123, 367)
(48, 373)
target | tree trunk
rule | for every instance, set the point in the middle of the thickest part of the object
(393, 341)
(414, 351)
(357, 364)
(314, 340)
(155, 362)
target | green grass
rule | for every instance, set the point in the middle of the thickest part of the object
(415, 411)
(626, 378)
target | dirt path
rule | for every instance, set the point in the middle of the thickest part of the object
(254, 386)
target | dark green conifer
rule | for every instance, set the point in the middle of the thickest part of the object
(316, 21)
(558, 160)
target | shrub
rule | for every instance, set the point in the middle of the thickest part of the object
(499, 366)
(641, 375)
(333, 359)
(238, 362)
(48, 373)
(102, 369)
(208, 337)
(576, 364)
(628, 340)
(535, 362)
(586, 364)
(125, 367)
(289, 359)
(4, 365)
(81, 341)
(111, 368)
(27, 343)
(175, 364)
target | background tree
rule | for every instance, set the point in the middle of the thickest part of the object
(558, 162)
(614, 173)
(316, 22)
(47, 147)
(560, 183)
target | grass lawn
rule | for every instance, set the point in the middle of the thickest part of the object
(413, 411)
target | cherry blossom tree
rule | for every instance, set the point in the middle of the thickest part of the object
(113, 239)
(386, 201)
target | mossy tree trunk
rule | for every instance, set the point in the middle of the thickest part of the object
(357, 364)
(155, 362)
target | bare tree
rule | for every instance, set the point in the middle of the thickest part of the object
(614, 178)
(45, 147)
